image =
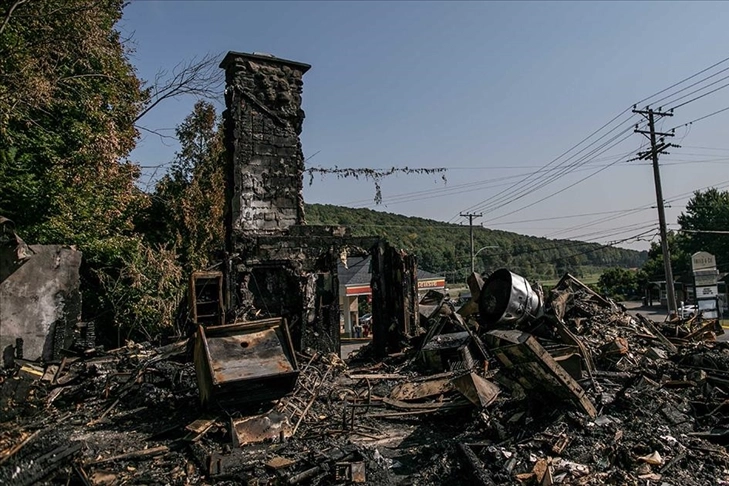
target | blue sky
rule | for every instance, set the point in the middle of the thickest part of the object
(489, 90)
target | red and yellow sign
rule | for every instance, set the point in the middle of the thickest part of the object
(359, 290)
(433, 283)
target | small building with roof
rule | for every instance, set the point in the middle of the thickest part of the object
(354, 283)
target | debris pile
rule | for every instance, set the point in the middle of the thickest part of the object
(515, 387)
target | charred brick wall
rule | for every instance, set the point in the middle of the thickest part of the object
(263, 122)
(295, 276)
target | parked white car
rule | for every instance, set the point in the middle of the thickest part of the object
(687, 310)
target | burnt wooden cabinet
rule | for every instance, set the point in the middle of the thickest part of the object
(206, 298)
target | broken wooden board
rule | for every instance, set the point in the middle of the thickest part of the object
(259, 428)
(479, 473)
(136, 455)
(478, 390)
(199, 428)
(432, 406)
(568, 280)
(535, 369)
(377, 376)
(278, 462)
(708, 328)
(654, 330)
(418, 390)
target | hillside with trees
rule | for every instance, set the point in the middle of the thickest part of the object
(445, 248)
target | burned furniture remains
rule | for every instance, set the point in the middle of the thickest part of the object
(243, 363)
(206, 298)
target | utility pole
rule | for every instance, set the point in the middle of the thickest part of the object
(470, 217)
(658, 147)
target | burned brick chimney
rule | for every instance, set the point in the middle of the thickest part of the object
(275, 264)
(263, 122)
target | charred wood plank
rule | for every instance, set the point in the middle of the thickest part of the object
(479, 474)
(141, 454)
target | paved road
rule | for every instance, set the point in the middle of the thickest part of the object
(655, 313)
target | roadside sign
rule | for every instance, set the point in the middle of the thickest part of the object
(702, 260)
(706, 277)
(706, 290)
(709, 292)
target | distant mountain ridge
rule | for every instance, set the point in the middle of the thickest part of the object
(445, 249)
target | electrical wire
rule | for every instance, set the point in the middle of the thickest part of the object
(548, 181)
(636, 237)
(509, 192)
(504, 201)
(655, 102)
(701, 118)
(486, 202)
(610, 122)
(683, 80)
(700, 96)
(457, 189)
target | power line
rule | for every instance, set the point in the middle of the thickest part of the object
(429, 194)
(564, 170)
(601, 220)
(636, 237)
(581, 180)
(700, 96)
(655, 102)
(714, 232)
(681, 82)
(495, 201)
(482, 203)
(502, 199)
(596, 235)
(701, 118)
(447, 191)
(569, 216)
(554, 193)
(722, 149)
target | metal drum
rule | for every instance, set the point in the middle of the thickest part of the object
(507, 299)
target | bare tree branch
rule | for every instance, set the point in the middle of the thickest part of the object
(200, 78)
(10, 13)
(161, 135)
(88, 75)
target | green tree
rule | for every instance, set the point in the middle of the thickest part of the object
(68, 100)
(619, 283)
(653, 269)
(445, 248)
(706, 211)
(188, 202)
